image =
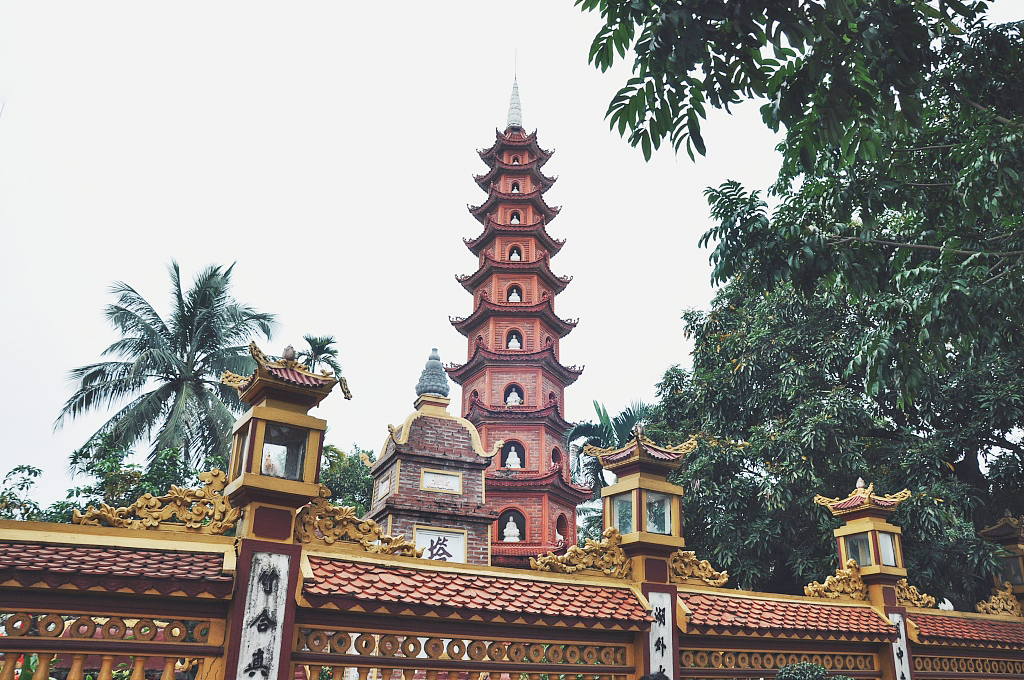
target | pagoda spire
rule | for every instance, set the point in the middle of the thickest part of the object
(515, 109)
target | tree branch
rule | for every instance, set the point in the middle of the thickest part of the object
(840, 240)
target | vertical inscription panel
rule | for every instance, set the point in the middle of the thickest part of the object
(266, 600)
(660, 641)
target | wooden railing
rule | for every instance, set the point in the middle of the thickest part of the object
(42, 644)
(350, 654)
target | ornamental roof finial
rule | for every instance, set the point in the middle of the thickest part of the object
(515, 109)
(433, 380)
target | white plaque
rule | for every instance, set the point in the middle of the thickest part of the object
(441, 545)
(660, 637)
(259, 652)
(899, 648)
(448, 482)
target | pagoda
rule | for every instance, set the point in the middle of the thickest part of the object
(513, 383)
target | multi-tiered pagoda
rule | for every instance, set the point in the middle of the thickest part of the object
(513, 383)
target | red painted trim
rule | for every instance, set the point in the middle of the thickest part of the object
(251, 444)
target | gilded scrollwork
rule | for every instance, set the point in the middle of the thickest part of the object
(684, 566)
(909, 596)
(320, 521)
(605, 556)
(204, 510)
(1002, 602)
(846, 583)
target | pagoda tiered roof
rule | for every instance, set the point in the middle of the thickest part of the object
(1007, 529)
(494, 197)
(499, 167)
(640, 451)
(483, 357)
(515, 138)
(482, 414)
(551, 480)
(543, 310)
(493, 228)
(492, 266)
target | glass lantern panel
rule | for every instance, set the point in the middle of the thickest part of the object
(284, 450)
(887, 548)
(659, 515)
(622, 512)
(858, 548)
(1010, 570)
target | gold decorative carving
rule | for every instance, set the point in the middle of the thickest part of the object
(233, 379)
(683, 565)
(605, 556)
(910, 596)
(865, 495)
(1002, 602)
(846, 583)
(326, 523)
(203, 510)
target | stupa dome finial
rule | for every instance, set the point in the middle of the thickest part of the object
(515, 109)
(433, 379)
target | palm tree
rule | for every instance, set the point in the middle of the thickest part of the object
(169, 370)
(607, 432)
(321, 352)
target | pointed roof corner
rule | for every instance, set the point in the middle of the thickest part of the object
(515, 109)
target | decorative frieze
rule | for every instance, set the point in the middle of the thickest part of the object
(846, 583)
(684, 566)
(1002, 602)
(321, 522)
(605, 556)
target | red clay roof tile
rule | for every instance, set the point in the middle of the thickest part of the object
(935, 627)
(433, 588)
(785, 616)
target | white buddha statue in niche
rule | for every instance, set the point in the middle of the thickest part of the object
(512, 461)
(515, 256)
(513, 295)
(511, 533)
(513, 398)
(513, 341)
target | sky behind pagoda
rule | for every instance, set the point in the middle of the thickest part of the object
(328, 149)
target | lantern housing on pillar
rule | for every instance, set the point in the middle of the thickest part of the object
(866, 536)
(275, 455)
(1008, 532)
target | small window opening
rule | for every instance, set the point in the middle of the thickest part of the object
(515, 294)
(556, 457)
(515, 160)
(514, 218)
(515, 187)
(513, 340)
(513, 455)
(515, 254)
(561, 528)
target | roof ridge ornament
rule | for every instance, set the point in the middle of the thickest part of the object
(846, 583)
(515, 109)
(605, 556)
(860, 498)
(324, 523)
(683, 566)
(1002, 602)
(909, 596)
(433, 379)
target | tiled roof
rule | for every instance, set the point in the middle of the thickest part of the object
(938, 627)
(114, 568)
(290, 375)
(443, 590)
(713, 612)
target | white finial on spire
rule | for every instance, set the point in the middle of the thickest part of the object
(515, 109)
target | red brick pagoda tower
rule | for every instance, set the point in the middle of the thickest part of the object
(513, 383)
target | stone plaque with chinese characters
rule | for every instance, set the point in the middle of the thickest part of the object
(259, 655)
(660, 635)
(440, 545)
(899, 647)
(434, 480)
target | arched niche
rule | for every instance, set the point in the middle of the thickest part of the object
(562, 528)
(515, 218)
(515, 254)
(518, 520)
(514, 294)
(514, 395)
(514, 450)
(515, 160)
(515, 187)
(514, 340)
(556, 457)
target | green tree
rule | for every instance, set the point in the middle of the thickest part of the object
(168, 370)
(832, 72)
(807, 671)
(348, 477)
(778, 419)
(16, 493)
(320, 352)
(929, 230)
(609, 431)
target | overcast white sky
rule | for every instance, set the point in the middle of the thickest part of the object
(327, 148)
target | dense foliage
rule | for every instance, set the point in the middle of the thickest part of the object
(169, 370)
(347, 477)
(806, 671)
(832, 72)
(779, 418)
(928, 229)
